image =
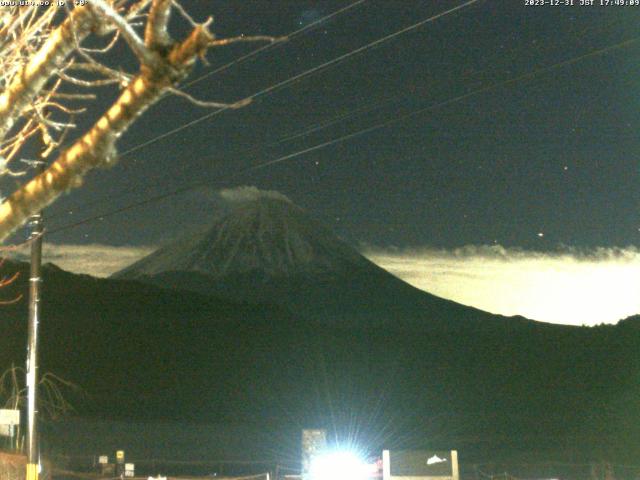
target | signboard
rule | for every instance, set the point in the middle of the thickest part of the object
(420, 464)
(9, 417)
(8, 420)
(120, 463)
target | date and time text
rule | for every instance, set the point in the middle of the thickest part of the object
(582, 3)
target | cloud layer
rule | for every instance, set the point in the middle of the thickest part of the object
(96, 260)
(250, 193)
(572, 287)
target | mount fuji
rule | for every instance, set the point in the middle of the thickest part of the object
(265, 249)
(354, 333)
(267, 320)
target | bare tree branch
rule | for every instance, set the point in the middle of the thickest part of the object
(93, 66)
(244, 38)
(28, 83)
(56, 57)
(73, 96)
(146, 56)
(185, 14)
(87, 83)
(97, 147)
(52, 400)
(199, 103)
(156, 35)
(5, 282)
(137, 8)
(107, 47)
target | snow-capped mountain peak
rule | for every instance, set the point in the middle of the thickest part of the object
(265, 234)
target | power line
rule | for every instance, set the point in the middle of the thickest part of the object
(360, 49)
(131, 206)
(436, 106)
(321, 125)
(270, 46)
(343, 138)
(318, 126)
(300, 76)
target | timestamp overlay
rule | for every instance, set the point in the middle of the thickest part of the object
(42, 3)
(581, 3)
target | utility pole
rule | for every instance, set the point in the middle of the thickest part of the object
(35, 280)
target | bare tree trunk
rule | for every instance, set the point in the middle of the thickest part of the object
(163, 64)
(97, 147)
(28, 84)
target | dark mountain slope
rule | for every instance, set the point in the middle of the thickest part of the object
(273, 323)
(269, 250)
(362, 334)
(147, 353)
(136, 349)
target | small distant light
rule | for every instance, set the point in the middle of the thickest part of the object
(540, 234)
(566, 168)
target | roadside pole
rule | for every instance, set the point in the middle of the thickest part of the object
(35, 280)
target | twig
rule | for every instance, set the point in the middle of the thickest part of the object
(87, 83)
(156, 34)
(63, 108)
(184, 13)
(244, 38)
(136, 8)
(239, 104)
(94, 66)
(146, 56)
(74, 96)
(106, 48)
(5, 281)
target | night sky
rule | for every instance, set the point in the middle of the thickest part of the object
(546, 161)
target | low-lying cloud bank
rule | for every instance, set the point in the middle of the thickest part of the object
(575, 287)
(249, 194)
(96, 260)
(572, 287)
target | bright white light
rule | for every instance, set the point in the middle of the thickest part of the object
(338, 466)
(435, 459)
